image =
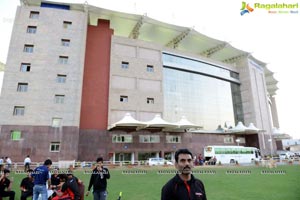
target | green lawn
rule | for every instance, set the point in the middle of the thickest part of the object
(230, 183)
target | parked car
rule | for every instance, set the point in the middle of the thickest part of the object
(158, 161)
(285, 154)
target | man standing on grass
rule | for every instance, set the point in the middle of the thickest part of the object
(27, 162)
(41, 176)
(183, 186)
(99, 181)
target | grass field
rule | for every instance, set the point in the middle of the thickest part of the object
(229, 183)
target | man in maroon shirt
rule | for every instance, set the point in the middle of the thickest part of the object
(183, 186)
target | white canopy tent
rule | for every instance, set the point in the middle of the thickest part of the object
(127, 121)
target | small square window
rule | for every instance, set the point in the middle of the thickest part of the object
(25, 67)
(123, 98)
(56, 122)
(19, 110)
(67, 24)
(59, 99)
(31, 29)
(63, 60)
(22, 87)
(150, 100)
(28, 48)
(125, 65)
(65, 42)
(34, 14)
(15, 135)
(54, 146)
(150, 68)
(61, 78)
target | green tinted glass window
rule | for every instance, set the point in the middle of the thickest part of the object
(15, 135)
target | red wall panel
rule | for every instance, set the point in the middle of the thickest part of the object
(95, 89)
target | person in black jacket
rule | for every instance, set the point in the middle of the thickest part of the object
(99, 181)
(26, 186)
(5, 185)
(183, 186)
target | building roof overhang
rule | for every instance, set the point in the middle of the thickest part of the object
(186, 39)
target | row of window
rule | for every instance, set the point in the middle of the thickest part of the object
(125, 65)
(23, 87)
(55, 146)
(28, 48)
(124, 99)
(36, 15)
(58, 98)
(145, 139)
(26, 67)
(233, 151)
(56, 122)
(16, 135)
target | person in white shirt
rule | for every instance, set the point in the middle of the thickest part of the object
(27, 162)
(8, 162)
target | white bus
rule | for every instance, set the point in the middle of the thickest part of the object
(231, 154)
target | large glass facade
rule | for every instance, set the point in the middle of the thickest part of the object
(206, 97)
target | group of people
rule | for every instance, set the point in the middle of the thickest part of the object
(5, 161)
(183, 186)
(40, 184)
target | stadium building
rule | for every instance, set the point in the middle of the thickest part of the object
(82, 81)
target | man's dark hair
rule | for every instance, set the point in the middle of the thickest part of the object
(30, 170)
(100, 159)
(63, 177)
(182, 151)
(69, 172)
(48, 162)
(5, 171)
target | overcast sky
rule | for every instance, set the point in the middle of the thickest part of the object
(271, 38)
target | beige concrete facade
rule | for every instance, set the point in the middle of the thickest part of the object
(255, 101)
(39, 100)
(135, 82)
(273, 108)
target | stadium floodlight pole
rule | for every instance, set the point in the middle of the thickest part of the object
(120, 196)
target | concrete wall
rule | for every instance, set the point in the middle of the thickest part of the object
(135, 82)
(255, 102)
